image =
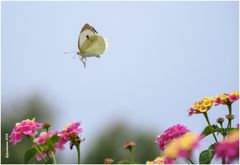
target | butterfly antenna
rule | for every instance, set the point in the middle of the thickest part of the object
(70, 52)
(75, 53)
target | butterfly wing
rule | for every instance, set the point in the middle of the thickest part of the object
(90, 43)
(94, 46)
(85, 33)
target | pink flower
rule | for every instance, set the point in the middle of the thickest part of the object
(39, 158)
(192, 111)
(61, 142)
(25, 127)
(233, 98)
(229, 147)
(69, 133)
(171, 133)
(44, 135)
(71, 130)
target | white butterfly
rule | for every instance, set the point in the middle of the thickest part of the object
(90, 44)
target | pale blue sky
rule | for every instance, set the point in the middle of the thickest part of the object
(161, 57)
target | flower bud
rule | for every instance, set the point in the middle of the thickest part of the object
(129, 145)
(46, 125)
(230, 117)
(220, 120)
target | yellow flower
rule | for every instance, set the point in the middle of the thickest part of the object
(196, 105)
(236, 93)
(203, 105)
(184, 144)
(223, 98)
(208, 102)
(188, 140)
(203, 109)
(158, 160)
(171, 150)
(233, 136)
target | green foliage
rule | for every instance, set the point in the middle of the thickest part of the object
(210, 129)
(205, 157)
(53, 140)
(29, 154)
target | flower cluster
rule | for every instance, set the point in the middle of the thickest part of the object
(45, 144)
(71, 131)
(169, 134)
(158, 160)
(227, 98)
(229, 147)
(24, 128)
(182, 147)
(201, 106)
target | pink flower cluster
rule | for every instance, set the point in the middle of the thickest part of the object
(229, 148)
(69, 133)
(25, 127)
(71, 130)
(169, 134)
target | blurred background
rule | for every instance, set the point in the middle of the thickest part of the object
(161, 58)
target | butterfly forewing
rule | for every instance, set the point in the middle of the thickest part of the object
(85, 33)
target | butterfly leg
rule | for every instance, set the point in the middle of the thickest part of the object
(84, 60)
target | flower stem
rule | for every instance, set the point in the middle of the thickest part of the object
(230, 112)
(190, 160)
(78, 152)
(39, 152)
(206, 117)
(34, 145)
(54, 158)
(132, 156)
(223, 160)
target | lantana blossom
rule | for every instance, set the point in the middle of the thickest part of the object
(229, 147)
(160, 160)
(227, 98)
(170, 134)
(24, 128)
(183, 146)
(69, 133)
(201, 106)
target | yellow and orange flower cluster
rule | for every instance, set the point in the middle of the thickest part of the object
(202, 106)
(227, 98)
(206, 103)
(158, 160)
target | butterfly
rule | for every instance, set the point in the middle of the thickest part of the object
(90, 44)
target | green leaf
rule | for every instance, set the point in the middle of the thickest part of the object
(205, 157)
(212, 147)
(29, 154)
(53, 140)
(210, 129)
